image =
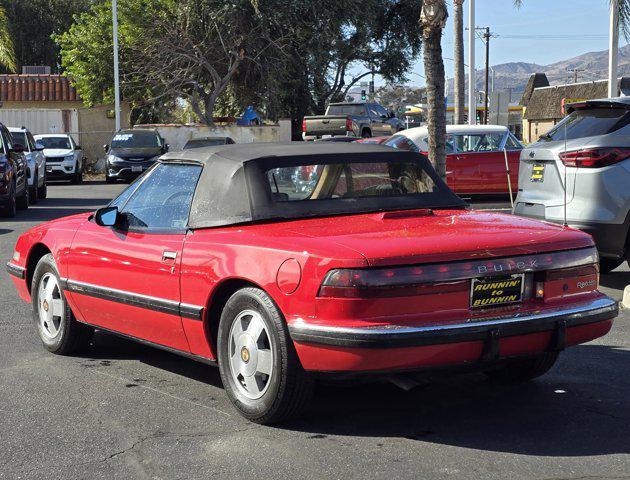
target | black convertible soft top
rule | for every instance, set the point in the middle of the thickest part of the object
(233, 187)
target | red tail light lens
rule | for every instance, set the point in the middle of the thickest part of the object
(348, 124)
(401, 281)
(595, 157)
(304, 125)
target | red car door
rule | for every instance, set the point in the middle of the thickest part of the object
(127, 278)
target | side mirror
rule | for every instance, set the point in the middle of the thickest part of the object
(107, 217)
(18, 148)
(105, 148)
(166, 147)
(77, 147)
(385, 117)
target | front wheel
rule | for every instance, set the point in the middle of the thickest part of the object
(42, 192)
(23, 200)
(10, 207)
(77, 178)
(524, 369)
(259, 367)
(34, 191)
(58, 330)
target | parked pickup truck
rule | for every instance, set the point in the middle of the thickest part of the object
(355, 119)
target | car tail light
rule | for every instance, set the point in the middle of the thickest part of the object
(304, 125)
(594, 157)
(419, 279)
(348, 124)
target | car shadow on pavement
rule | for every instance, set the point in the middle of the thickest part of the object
(572, 411)
(616, 279)
(580, 408)
(4, 231)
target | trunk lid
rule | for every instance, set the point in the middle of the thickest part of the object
(400, 238)
(326, 125)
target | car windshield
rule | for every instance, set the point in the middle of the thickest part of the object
(61, 143)
(348, 180)
(136, 140)
(20, 137)
(588, 122)
(357, 110)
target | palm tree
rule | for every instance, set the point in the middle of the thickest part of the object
(460, 79)
(432, 19)
(7, 52)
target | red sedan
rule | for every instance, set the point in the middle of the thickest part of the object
(279, 262)
(478, 157)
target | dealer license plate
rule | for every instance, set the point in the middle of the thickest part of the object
(136, 168)
(538, 173)
(496, 291)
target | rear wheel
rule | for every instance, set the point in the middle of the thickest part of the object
(109, 179)
(34, 191)
(42, 192)
(524, 369)
(58, 330)
(365, 133)
(259, 367)
(23, 200)
(10, 207)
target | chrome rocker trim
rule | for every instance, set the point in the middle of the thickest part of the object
(194, 312)
(491, 329)
(16, 271)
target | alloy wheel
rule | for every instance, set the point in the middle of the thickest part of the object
(51, 306)
(251, 354)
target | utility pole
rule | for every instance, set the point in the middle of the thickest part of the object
(486, 39)
(472, 76)
(613, 48)
(116, 74)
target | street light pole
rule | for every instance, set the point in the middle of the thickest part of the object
(116, 74)
(472, 99)
(613, 48)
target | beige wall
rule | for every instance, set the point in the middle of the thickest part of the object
(96, 129)
(532, 129)
(177, 135)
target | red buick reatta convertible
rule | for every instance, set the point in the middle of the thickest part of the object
(282, 261)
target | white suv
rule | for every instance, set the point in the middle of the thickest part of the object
(36, 163)
(64, 158)
(585, 159)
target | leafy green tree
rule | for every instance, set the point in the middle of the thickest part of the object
(7, 48)
(32, 24)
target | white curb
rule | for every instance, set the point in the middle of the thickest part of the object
(625, 302)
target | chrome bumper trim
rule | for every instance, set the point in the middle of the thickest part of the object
(470, 330)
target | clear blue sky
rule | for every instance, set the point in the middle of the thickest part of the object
(583, 23)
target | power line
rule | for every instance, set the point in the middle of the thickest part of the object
(552, 37)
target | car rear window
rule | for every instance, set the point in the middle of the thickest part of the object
(348, 180)
(357, 110)
(588, 122)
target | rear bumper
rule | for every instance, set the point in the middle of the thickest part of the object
(610, 238)
(330, 348)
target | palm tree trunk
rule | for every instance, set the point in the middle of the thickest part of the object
(458, 25)
(7, 50)
(433, 19)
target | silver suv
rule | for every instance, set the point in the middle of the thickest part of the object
(585, 159)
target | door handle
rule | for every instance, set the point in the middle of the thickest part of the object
(168, 256)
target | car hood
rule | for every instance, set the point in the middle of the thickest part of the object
(57, 152)
(412, 237)
(136, 152)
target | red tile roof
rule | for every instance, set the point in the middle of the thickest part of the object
(37, 88)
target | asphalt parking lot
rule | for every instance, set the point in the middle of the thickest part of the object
(122, 410)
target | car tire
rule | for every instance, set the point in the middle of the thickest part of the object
(57, 327)
(268, 392)
(365, 133)
(607, 265)
(77, 178)
(109, 179)
(34, 191)
(524, 369)
(22, 201)
(10, 208)
(42, 192)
